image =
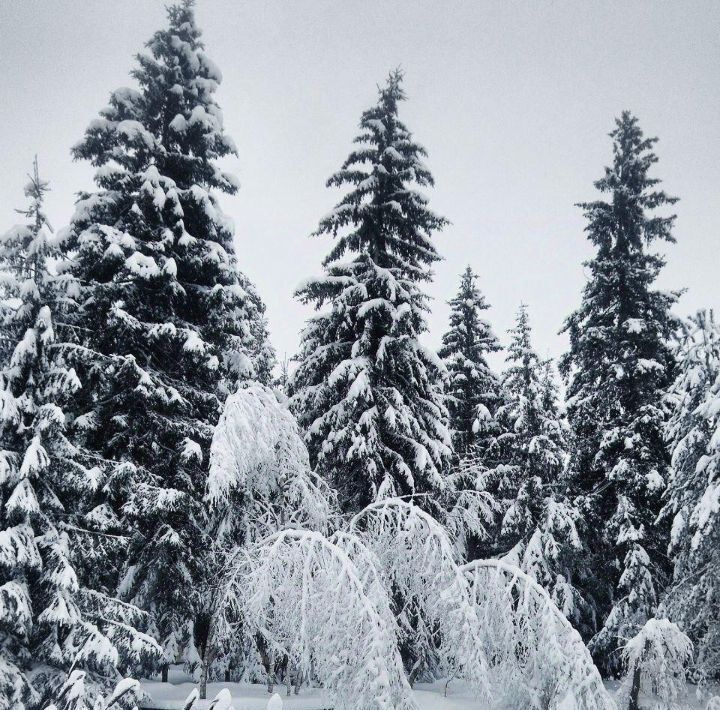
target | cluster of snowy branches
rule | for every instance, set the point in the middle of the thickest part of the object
(693, 497)
(369, 605)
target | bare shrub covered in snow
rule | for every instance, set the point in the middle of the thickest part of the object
(308, 600)
(435, 612)
(258, 457)
(259, 482)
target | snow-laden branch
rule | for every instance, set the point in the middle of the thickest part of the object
(538, 660)
(257, 452)
(304, 595)
(339, 606)
(438, 613)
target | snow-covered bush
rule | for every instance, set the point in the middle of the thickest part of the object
(259, 482)
(656, 660)
(73, 695)
(343, 607)
(346, 606)
(307, 599)
(437, 616)
(258, 459)
(536, 658)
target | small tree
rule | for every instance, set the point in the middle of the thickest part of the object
(259, 483)
(473, 389)
(656, 659)
(538, 531)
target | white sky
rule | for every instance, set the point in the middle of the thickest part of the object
(513, 101)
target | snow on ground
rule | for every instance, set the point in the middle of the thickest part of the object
(247, 696)
(429, 696)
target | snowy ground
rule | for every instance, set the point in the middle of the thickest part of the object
(246, 696)
(170, 696)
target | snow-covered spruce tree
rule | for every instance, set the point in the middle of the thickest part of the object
(29, 426)
(538, 532)
(366, 391)
(473, 388)
(170, 325)
(532, 443)
(48, 615)
(618, 366)
(693, 492)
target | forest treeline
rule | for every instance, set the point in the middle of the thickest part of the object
(124, 333)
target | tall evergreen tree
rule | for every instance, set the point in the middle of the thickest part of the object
(368, 394)
(48, 614)
(693, 492)
(169, 324)
(31, 425)
(473, 388)
(619, 365)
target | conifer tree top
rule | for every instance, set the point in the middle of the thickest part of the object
(386, 218)
(620, 224)
(619, 305)
(472, 391)
(173, 120)
(520, 350)
(467, 329)
(366, 390)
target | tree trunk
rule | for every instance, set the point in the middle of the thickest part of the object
(268, 661)
(164, 674)
(203, 680)
(208, 657)
(271, 674)
(635, 690)
(414, 672)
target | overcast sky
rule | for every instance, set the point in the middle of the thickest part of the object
(513, 101)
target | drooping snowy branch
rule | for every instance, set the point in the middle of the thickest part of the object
(304, 595)
(257, 451)
(418, 559)
(538, 660)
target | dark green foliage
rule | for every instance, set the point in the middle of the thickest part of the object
(473, 388)
(618, 367)
(168, 324)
